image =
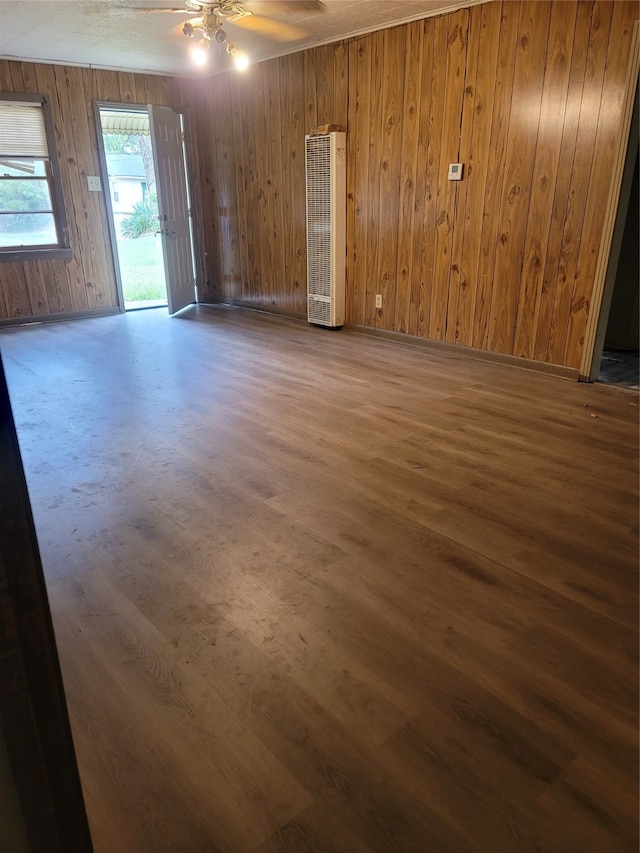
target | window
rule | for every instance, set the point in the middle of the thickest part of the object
(32, 222)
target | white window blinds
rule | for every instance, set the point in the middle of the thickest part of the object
(22, 131)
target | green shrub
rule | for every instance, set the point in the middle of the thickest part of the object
(143, 220)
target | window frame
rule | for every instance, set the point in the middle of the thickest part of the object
(63, 249)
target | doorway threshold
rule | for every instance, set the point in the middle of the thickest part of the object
(620, 367)
(145, 303)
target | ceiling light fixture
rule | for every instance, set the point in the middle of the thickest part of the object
(209, 28)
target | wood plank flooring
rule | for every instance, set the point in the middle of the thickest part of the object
(317, 591)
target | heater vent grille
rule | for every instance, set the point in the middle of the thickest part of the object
(326, 202)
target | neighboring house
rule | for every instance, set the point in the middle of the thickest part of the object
(127, 181)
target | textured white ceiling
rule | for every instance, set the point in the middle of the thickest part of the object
(125, 34)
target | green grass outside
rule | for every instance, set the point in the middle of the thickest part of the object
(142, 268)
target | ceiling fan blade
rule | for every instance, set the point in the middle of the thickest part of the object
(278, 30)
(189, 7)
(285, 7)
(154, 9)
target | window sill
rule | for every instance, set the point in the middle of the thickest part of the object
(35, 254)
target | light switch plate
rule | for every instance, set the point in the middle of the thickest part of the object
(455, 171)
(94, 184)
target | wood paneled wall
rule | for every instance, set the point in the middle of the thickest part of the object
(526, 94)
(87, 281)
(250, 136)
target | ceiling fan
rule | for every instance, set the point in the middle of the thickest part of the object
(210, 17)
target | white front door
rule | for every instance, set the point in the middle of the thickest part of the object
(173, 205)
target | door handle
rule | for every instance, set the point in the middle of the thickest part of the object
(165, 231)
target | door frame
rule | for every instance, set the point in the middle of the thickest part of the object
(104, 178)
(615, 216)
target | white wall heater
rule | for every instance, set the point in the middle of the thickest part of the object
(326, 171)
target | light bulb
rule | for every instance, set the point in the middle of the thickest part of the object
(241, 61)
(200, 53)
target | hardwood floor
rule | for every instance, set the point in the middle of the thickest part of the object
(318, 591)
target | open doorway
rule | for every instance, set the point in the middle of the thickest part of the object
(128, 153)
(620, 363)
(612, 341)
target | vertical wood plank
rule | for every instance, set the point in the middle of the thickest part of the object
(240, 208)
(545, 170)
(149, 92)
(523, 131)
(164, 87)
(126, 82)
(106, 85)
(285, 130)
(580, 177)
(214, 177)
(569, 133)
(495, 172)
(485, 32)
(408, 176)
(457, 284)
(61, 272)
(37, 289)
(340, 91)
(280, 268)
(251, 189)
(100, 282)
(6, 82)
(66, 78)
(432, 177)
(418, 321)
(389, 177)
(371, 316)
(297, 197)
(311, 101)
(263, 289)
(17, 83)
(225, 200)
(358, 147)
(323, 84)
(453, 91)
(47, 272)
(15, 294)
